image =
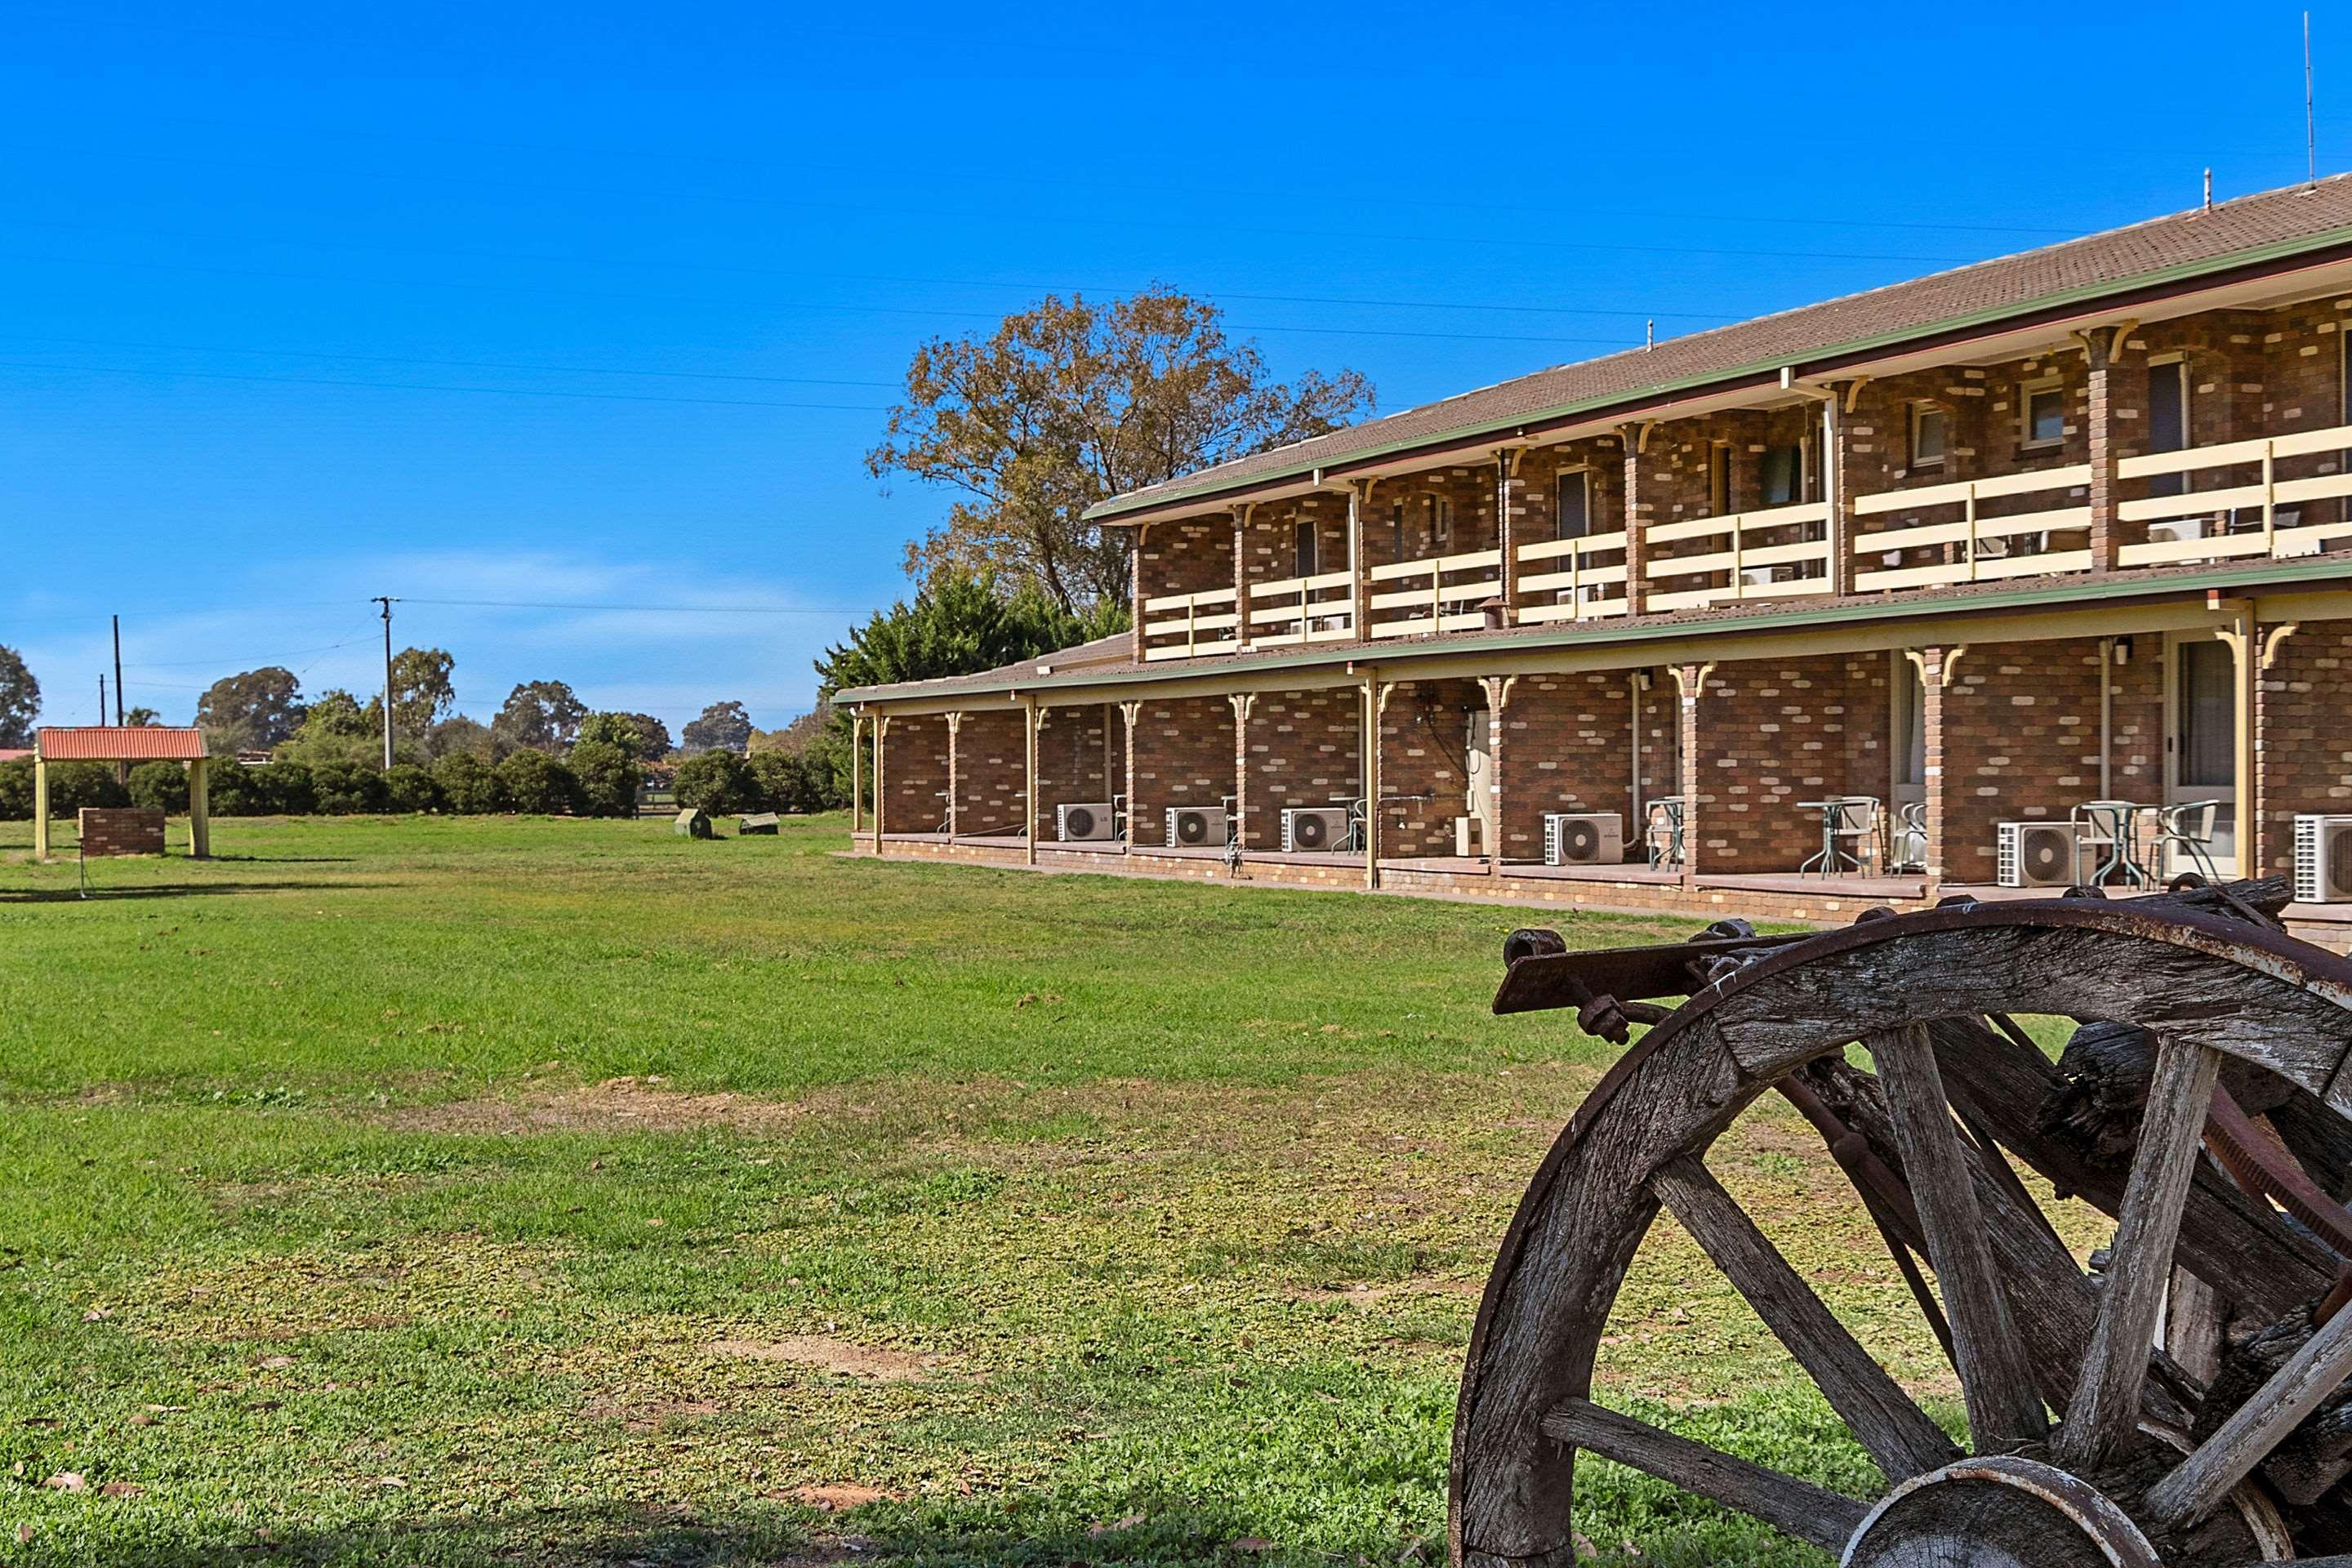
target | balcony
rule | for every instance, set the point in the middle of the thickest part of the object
(1190, 626)
(1770, 553)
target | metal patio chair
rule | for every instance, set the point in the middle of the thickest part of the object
(1906, 834)
(2187, 829)
(1664, 831)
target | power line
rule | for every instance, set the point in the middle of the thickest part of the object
(662, 609)
(1480, 235)
(421, 386)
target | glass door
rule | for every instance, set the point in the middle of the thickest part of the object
(2200, 742)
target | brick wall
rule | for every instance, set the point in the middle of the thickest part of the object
(915, 773)
(2306, 756)
(1422, 736)
(120, 830)
(1183, 757)
(1187, 556)
(992, 772)
(1303, 748)
(1772, 733)
(1400, 510)
(1567, 745)
(1270, 541)
(2021, 740)
(1072, 761)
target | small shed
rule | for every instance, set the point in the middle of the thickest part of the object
(756, 822)
(693, 822)
(124, 744)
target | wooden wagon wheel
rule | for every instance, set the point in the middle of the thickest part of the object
(2089, 1447)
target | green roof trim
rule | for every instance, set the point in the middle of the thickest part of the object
(2049, 591)
(1206, 485)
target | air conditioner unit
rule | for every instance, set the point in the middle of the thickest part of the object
(1584, 838)
(1313, 828)
(2323, 859)
(1084, 822)
(1196, 827)
(2037, 855)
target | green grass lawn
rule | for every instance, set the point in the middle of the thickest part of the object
(472, 1191)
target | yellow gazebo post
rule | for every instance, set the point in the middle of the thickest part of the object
(40, 804)
(200, 814)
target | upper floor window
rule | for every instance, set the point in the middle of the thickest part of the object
(2168, 420)
(1927, 435)
(1784, 475)
(1396, 532)
(1718, 480)
(1302, 545)
(1573, 519)
(2041, 412)
(1441, 522)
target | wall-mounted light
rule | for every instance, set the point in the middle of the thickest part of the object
(2123, 651)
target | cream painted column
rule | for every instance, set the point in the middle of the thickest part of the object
(1507, 534)
(200, 808)
(955, 729)
(1127, 712)
(1499, 701)
(1030, 722)
(1934, 665)
(40, 806)
(2264, 690)
(1244, 702)
(856, 777)
(881, 762)
(2245, 669)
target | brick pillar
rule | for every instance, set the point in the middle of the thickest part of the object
(1931, 720)
(1376, 703)
(1691, 680)
(1360, 557)
(1498, 697)
(1637, 547)
(2269, 700)
(955, 728)
(1029, 722)
(1240, 576)
(1506, 532)
(1135, 593)
(1127, 712)
(1837, 448)
(2099, 345)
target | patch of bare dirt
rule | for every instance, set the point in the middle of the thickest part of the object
(1360, 1295)
(838, 1498)
(649, 1414)
(870, 1363)
(617, 1104)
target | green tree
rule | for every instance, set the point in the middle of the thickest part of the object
(541, 714)
(407, 787)
(139, 716)
(336, 715)
(159, 786)
(654, 742)
(340, 788)
(16, 790)
(724, 726)
(620, 730)
(252, 711)
(468, 784)
(422, 694)
(718, 782)
(535, 782)
(1070, 403)
(459, 733)
(20, 699)
(608, 778)
(73, 785)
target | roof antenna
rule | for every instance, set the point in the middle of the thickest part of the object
(1649, 334)
(2208, 190)
(2310, 136)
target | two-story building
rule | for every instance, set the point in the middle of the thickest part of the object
(2032, 572)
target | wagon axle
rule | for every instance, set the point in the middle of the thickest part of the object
(2183, 1406)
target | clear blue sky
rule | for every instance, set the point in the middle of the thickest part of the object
(254, 255)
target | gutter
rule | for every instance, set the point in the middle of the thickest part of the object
(1829, 357)
(1623, 631)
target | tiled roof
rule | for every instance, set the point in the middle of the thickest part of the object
(2206, 239)
(115, 743)
(14, 754)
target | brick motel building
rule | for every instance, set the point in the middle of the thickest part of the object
(2030, 573)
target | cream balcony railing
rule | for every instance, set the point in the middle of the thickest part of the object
(1322, 609)
(2261, 518)
(1974, 547)
(1187, 626)
(1752, 567)
(1440, 595)
(1565, 568)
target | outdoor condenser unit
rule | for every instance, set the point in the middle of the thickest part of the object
(1583, 838)
(1313, 828)
(2037, 855)
(2323, 859)
(1084, 821)
(1197, 827)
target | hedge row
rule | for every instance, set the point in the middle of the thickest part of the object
(594, 781)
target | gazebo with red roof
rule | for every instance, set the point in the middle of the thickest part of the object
(123, 743)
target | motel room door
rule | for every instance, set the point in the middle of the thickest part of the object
(2201, 738)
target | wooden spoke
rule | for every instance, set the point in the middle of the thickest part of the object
(2199, 1484)
(2105, 1408)
(1996, 1376)
(1898, 1435)
(1794, 1508)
